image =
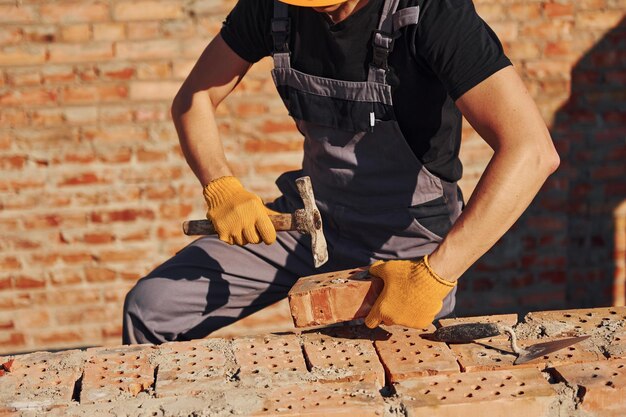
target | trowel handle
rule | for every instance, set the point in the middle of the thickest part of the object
(467, 332)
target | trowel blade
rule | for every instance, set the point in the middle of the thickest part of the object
(540, 349)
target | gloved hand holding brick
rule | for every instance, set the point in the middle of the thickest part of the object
(239, 216)
(412, 296)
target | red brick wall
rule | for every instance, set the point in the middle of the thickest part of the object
(93, 187)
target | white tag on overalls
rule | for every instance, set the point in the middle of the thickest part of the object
(372, 119)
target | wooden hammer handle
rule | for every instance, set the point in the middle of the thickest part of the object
(281, 222)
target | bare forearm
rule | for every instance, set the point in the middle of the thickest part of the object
(199, 137)
(214, 76)
(504, 114)
(506, 188)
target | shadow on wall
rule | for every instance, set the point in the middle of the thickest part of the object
(562, 252)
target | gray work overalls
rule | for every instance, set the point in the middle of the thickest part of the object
(365, 178)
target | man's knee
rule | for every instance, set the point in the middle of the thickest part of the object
(141, 306)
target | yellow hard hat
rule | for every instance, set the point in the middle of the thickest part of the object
(313, 3)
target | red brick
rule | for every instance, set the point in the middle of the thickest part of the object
(74, 11)
(6, 283)
(157, 90)
(249, 109)
(598, 19)
(525, 11)
(118, 72)
(59, 338)
(175, 211)
(123, 215)
(560, 323)
(191, 368)
(277, 357)
(271, 145)
(109, 31)
(94, 274)
(340, 359)
(492, 355)
(151, 114)
(146, 50)
(6, 324)
(85, 178)
(116, 374)
(28, 97)
(603, 384)
(405, 354)
(72, 297)
(558, 10)
(332, 400)
(20, 78)
(28, 282)
(93, 93)
(12, 341)
(271, 126)
(91, 314)
(80, 52)
(32, 319)
(9, 263)
(80, 32)
(98, 238)
(143, 30)
(14, 13)
(41, 379)
(13, 118)
(511, 393)
(333, 297)
(147, 10)
(58, 74)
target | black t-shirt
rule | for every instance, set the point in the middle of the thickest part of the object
(433, 63)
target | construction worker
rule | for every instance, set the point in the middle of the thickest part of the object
(377, 89)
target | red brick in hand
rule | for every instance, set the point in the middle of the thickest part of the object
(333, 297)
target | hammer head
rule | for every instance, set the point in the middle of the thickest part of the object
(309, 221)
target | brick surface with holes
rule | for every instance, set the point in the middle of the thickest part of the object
(347, 370)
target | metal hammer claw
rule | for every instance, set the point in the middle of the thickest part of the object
(307, 221)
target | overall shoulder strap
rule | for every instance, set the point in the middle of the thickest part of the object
(281, 27)
(382, 43)
(405, 17)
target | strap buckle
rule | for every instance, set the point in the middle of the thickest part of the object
(382, 45)
(281, 27)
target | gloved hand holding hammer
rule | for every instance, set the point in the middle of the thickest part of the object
(239, 216)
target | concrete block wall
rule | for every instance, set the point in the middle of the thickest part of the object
(93, 188)
(338, 371)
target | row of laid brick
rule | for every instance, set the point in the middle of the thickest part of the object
(330, 370)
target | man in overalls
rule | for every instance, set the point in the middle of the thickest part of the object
(375, 87)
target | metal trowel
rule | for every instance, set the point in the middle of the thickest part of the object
(469, 332)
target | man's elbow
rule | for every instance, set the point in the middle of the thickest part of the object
(547, 160)
(180, 104)
(552, 160)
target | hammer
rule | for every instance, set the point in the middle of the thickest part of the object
(307, 220)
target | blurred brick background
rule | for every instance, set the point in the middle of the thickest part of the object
(93, 188)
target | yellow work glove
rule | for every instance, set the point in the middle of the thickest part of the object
(413, 293)
(239, 216)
